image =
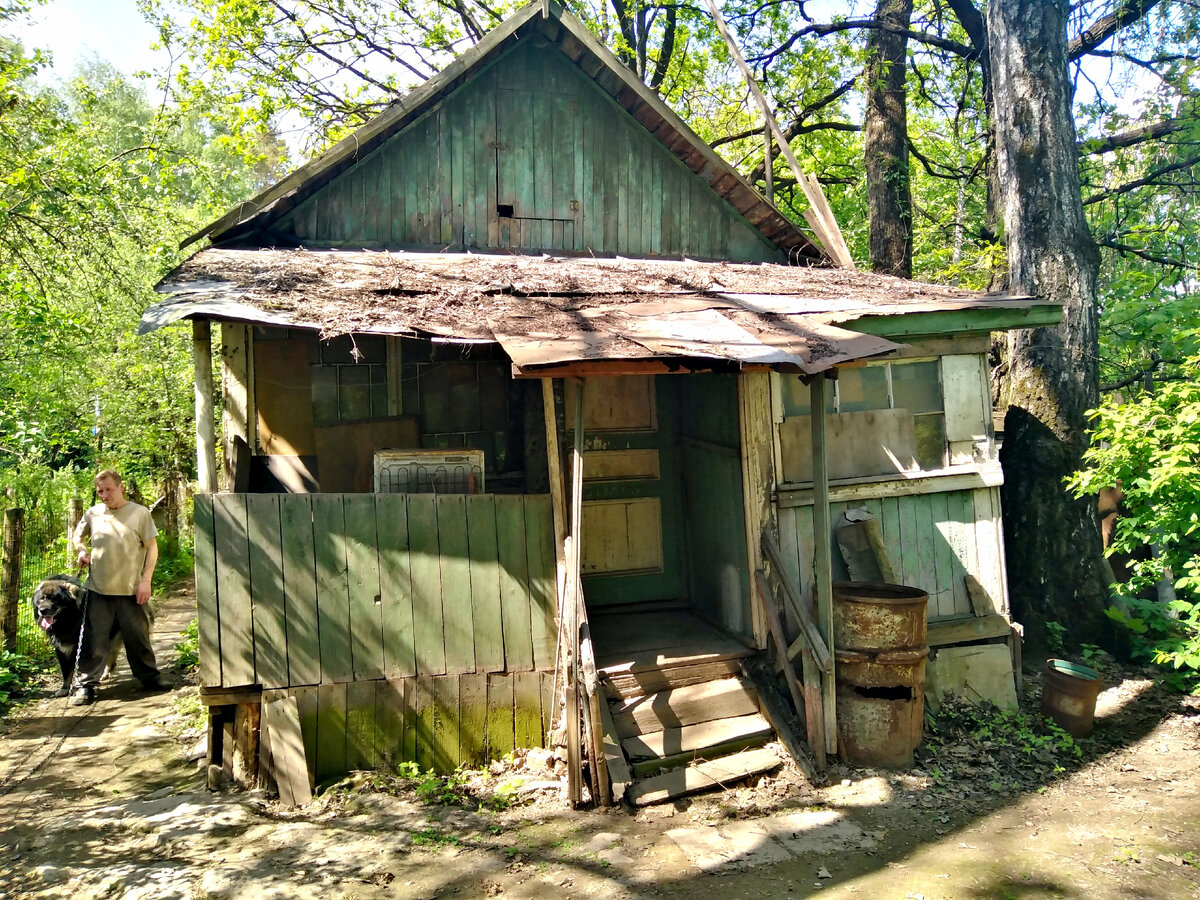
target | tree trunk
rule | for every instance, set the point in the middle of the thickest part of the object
(885, 132)
(1053, 542)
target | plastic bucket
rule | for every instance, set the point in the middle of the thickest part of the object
(1069, 694)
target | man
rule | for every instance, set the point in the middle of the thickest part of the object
(124, 551)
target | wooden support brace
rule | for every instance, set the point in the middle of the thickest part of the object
(809, 632)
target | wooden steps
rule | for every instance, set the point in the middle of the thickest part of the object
(701, 728)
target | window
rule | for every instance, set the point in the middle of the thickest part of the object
(861, 440)
(349, 380)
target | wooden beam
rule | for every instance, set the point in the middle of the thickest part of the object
(820, 218)
(877, 487)
(960, 631)
(958, 322)
(238, 416)
(206, 454)
(823, 560)
(776, 629)
(809, 630)
(755, 426)
(574, 751)
(620, 778)
(558, 512)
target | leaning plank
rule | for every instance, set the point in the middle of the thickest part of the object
(766, 605)
(694, 738)
(796, 604)
(959, 631)
(619, 776)
(281, 723)
(702, 776)
(685, 706)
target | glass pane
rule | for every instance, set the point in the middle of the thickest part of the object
(931, 441)
(355, 397)
(324, 395)
(337, 350)
(797, 397)
(916, 386)
(860, 389)
(371, 348)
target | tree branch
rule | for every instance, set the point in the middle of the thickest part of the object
(817, 30)
(1105, 27)
(1132, 137)
(1150, 179)
(1145, 254)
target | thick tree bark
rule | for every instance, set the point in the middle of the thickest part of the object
(1055, 567)
(885, 132)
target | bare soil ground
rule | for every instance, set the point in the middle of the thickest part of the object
(103, 801)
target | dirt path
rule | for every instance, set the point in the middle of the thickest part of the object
(103, 802)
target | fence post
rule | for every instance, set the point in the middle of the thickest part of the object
(74, 514)
(10, 577)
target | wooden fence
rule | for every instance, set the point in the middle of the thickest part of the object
(408, 626)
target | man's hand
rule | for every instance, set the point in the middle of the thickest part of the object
(83, 559)
(143, 592)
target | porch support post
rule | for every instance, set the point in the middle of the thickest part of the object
(823, 558)
(574, 562)
(754, 400)
(558, 502)
(206, 456)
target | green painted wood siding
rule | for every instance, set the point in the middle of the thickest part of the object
(934, 540)
(338, 588)
(530, 132)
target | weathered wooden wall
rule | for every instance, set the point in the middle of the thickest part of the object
(358, 593)
(532, 155)
(934, 540)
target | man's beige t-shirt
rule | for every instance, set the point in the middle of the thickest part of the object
(119, 540)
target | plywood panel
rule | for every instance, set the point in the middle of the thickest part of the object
(875, 442)
(233, 580)
(395, 585)
(619, 403)
(622, 536)
(283, 397)
(269, 599)
(208, 621)
(967, 397)
(333, 590)
(620, 465)
(366, 597)
(346, 453)
(300, 585)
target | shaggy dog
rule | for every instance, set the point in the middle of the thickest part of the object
(58, 610)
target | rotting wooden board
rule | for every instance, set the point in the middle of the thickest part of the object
(685, 706)
(959, 631)
(695, 737)
(639, 684)
(619, 775)
(648, 767)
(702, 776)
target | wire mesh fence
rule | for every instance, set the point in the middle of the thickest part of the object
(45, 551)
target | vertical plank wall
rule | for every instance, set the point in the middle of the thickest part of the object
(409, 627)
(934, 540)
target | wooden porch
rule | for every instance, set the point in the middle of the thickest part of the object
(678, 715)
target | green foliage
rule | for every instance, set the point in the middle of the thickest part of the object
(1055, 632)
(1149, 446)
(434, 837)
(17, 675)
(444, 790)
(187, 650)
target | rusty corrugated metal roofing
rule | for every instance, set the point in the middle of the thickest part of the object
(552, 310)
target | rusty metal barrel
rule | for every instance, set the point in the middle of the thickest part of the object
(879, 645)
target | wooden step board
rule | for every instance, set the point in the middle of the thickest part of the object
(688, 705)
(695, 738)
(702, 776)
(631, 685)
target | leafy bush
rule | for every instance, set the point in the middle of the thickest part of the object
(16, 676)
(1150, 447)
(187, 651)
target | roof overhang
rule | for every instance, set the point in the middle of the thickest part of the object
(584, 316)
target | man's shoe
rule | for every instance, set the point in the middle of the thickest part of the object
(84, 696)
(156, 684)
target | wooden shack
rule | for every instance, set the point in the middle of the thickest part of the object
(528, 257)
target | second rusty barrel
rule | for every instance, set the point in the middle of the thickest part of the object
(879, 639)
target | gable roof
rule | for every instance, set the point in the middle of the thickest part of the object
(609, 316)
(596, 62)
